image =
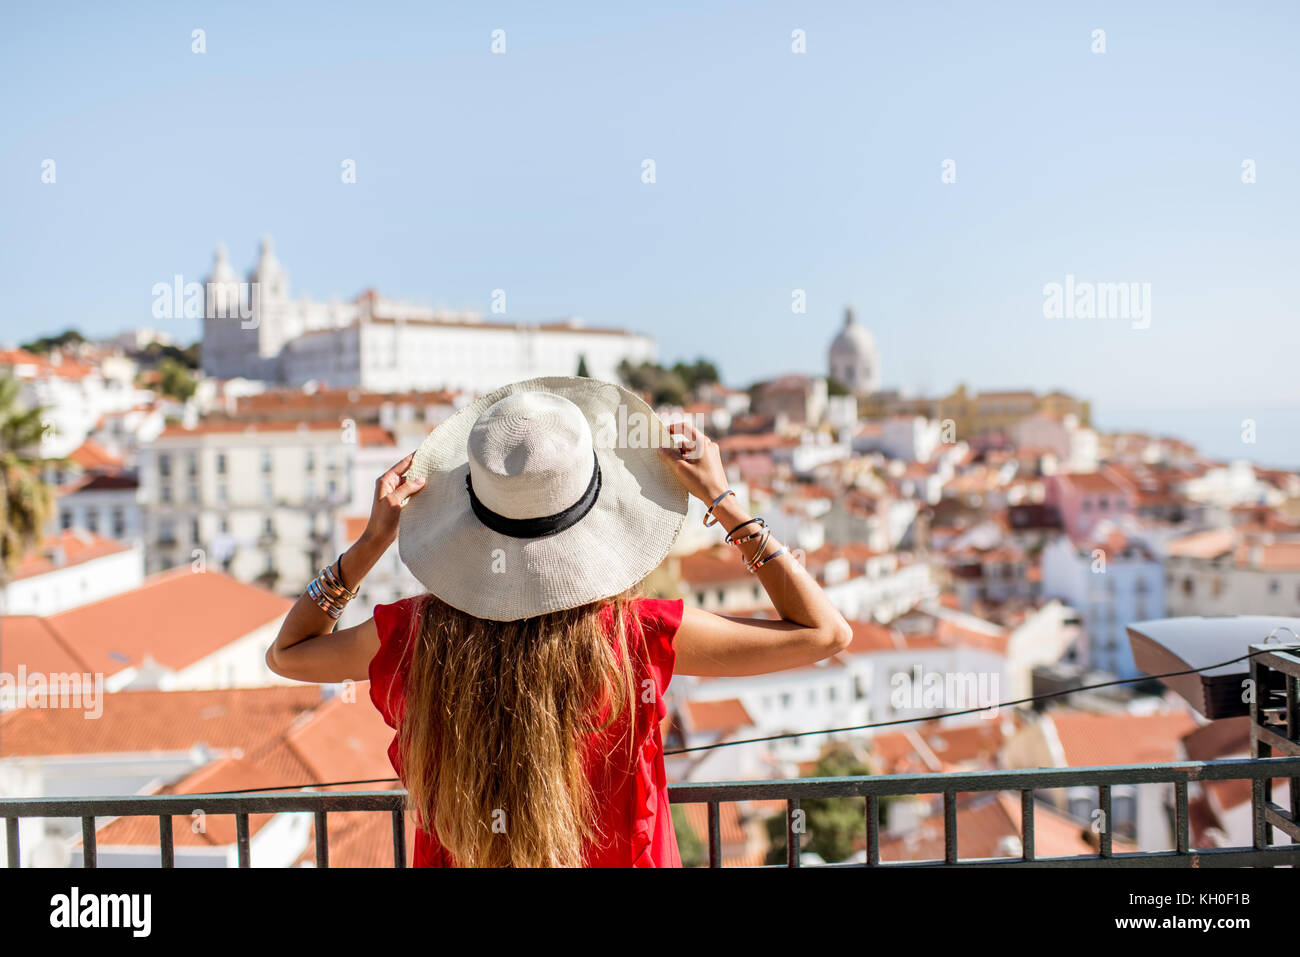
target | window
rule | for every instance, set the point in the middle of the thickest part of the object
(165, 494)
(1103, 503)
(65, 518)
(722, 596)
(221, 463)
(311, 460)
(223, 494)
(164, 466)
(266, 493)
(1274, 587)
(1189, 587)
(192, 465)
(119, 522)
(192, 494)
(92, 520)
(266, 462)
(194, 531)
(699, 598)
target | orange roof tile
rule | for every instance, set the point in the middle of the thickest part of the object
(68, 547)
(1090, 740)
(176, 618)
(161, 721)
(725, 715)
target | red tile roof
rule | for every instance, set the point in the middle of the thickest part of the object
(26, 640)
(68, 547)
(249, 719)
(725, 715)
(91, 455)
(717, 564)
(367, 434)
(176, 618)
(1090, 740)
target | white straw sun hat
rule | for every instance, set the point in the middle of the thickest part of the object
(543, 495)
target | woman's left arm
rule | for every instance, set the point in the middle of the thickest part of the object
(307, 649)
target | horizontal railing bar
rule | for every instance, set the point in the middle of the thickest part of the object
(1000, 780)
(259, 803)
(1274, 856)
(686, 792)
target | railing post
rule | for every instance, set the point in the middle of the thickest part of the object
(715, 836)
(399, 838)
(791, 834)
(950, 827)
(166, 846)
(1107, 825)
(11, 842)
(1181, 818)
(241, 839)
(89, 850)
(1027, 824)
(322, 840)
(873, 830)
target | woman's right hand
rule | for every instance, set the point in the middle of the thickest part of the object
(697, 462)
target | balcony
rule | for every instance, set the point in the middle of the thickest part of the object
(869, 789)
(1275, 730)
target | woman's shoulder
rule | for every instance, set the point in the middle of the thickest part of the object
(396, 624)
(659, 614)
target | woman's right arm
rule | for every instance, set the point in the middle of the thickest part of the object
(810, 629)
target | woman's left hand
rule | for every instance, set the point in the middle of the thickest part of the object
(390, 492)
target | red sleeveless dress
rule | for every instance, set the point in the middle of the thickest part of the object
(633, 805)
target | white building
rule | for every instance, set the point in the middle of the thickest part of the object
(70, 569)
(1222, 572)
(383, 345)
(1112, 582)
(74, 395)
(258, 500)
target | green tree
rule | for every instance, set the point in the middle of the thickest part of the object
(174, 379)
(697, 373)
(25, 500)
(689, 845)
(836, 387)
(582, 367)
(664, 386)
(45, 343)
(833, 826)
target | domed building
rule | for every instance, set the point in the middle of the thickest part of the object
(853, 360)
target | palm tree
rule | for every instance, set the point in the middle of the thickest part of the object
(25, 499)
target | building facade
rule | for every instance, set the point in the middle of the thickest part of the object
(255, 330)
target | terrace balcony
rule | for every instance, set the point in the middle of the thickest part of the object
(1275, 749)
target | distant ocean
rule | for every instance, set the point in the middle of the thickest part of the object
(1217, 432)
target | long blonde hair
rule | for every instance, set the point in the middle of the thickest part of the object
(494, 725)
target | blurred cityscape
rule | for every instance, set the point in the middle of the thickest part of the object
(985, 546)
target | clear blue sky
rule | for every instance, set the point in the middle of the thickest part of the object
(775, 171)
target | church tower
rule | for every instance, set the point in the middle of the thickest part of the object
(853, 360)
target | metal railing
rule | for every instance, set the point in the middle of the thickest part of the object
(870, 788)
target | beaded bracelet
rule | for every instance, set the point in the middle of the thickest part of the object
(731, 539)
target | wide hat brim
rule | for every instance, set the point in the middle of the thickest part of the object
(626, 534)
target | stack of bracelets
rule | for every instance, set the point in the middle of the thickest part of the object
(760, 532)
(328, 591)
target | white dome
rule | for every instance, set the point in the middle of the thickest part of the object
(853, 359)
